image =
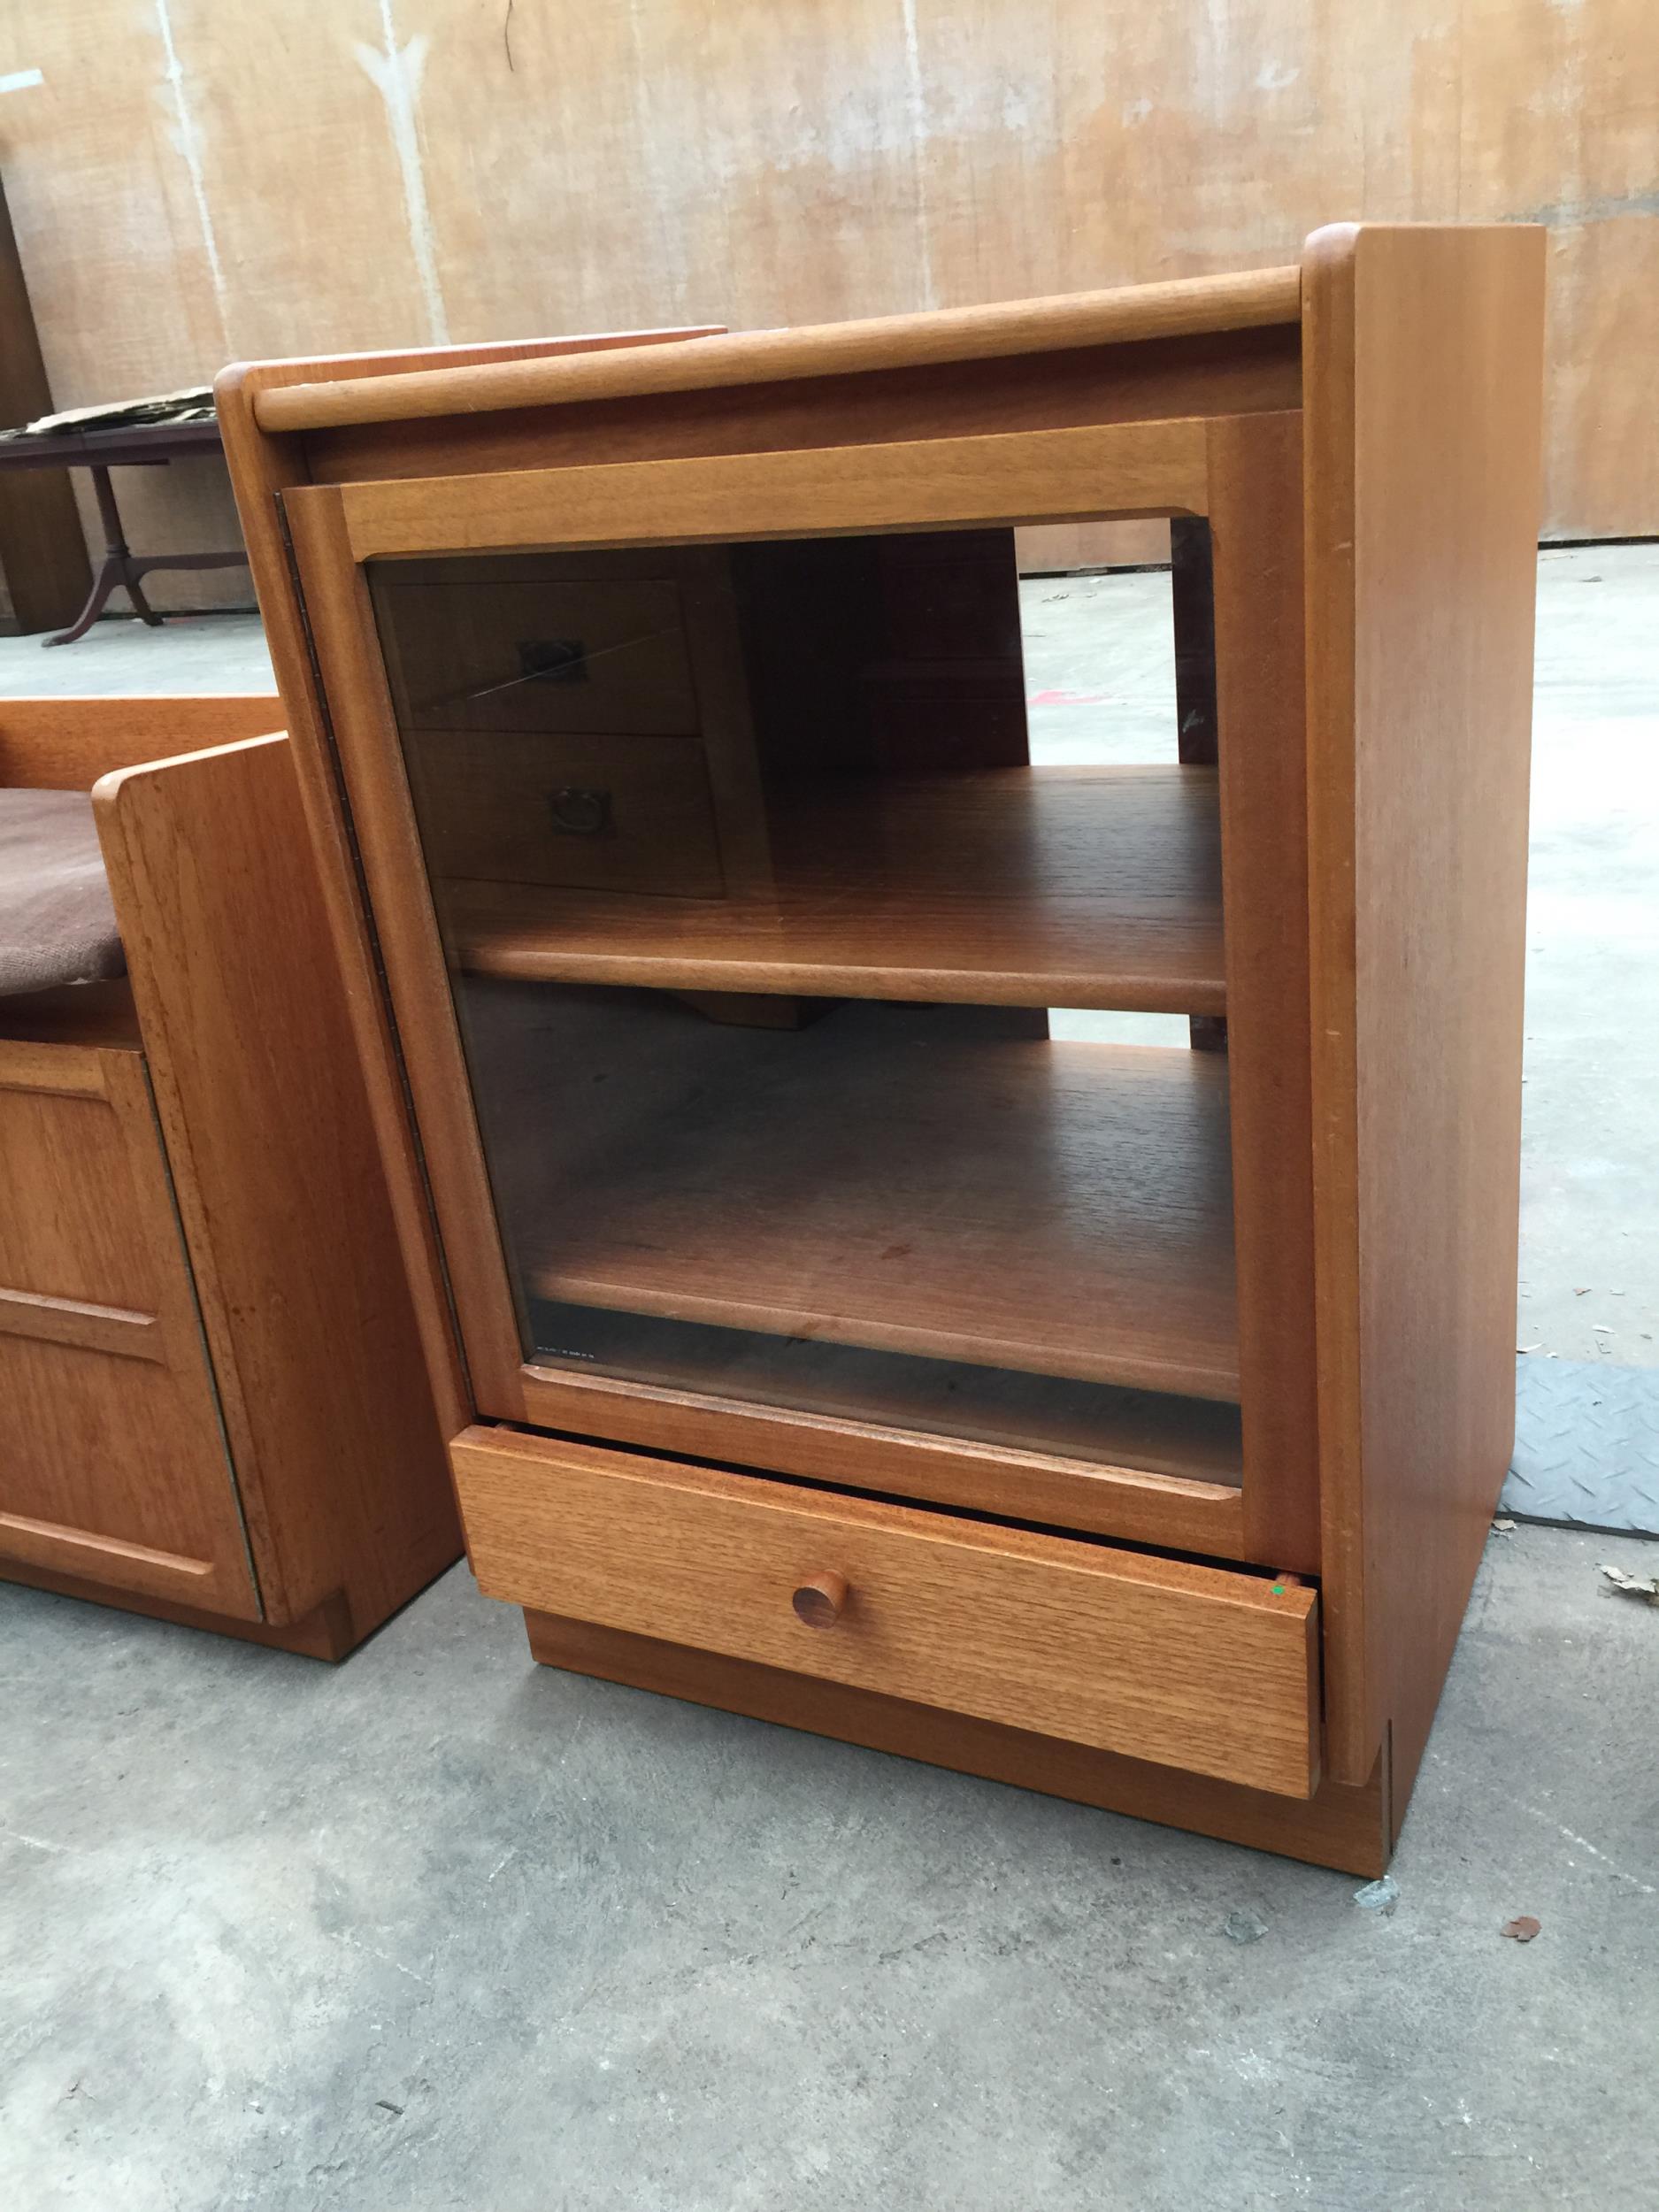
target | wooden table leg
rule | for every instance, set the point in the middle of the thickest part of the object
(115, 568)
(120, 565)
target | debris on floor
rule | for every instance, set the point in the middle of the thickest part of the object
(1523, 1929)
(1244, 1927)
(1643, 1587)
(1378, 1896)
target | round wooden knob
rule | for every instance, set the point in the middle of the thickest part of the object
(819, 1601)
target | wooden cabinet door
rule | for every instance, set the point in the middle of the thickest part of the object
(112, 1464)
(949, 1252)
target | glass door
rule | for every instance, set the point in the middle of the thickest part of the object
(805, 976)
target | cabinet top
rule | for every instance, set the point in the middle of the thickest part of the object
(661, 362)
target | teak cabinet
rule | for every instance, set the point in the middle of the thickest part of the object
(831, 1325)
(211, 1406)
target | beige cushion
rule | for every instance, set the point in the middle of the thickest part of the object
(57, 918)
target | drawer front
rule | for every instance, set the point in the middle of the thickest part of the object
(582, 813)
(1184, 1666)
(555, 654)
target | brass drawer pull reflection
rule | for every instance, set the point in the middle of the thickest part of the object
(581, 813)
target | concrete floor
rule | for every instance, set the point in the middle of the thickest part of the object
(120, 657)
(436, 1929)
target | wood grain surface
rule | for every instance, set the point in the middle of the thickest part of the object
(111, 1466)
(1044, 886)
(1190, 1666)
(772, 167)
(68, 744)
(1037, 476)
(1153, 380)
(1425, 353)
(1242, 302)
(304, 1301)
(44, 573)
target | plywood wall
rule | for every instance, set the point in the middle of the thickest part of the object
(199, 179)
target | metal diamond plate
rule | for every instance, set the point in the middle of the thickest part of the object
(1587, 1446)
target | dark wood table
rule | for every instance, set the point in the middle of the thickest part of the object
(136, 445)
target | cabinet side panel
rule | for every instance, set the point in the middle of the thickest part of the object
(1424, 368)
(304, 1299)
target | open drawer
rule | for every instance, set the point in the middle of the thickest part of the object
(1159, 1659)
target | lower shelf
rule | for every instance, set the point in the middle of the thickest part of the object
(1083, 1424)
(936, 1181)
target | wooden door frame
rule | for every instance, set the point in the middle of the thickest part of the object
(1169, 468)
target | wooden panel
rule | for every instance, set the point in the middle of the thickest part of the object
(1158, 379)
(68, 744)
(1048, 886)
(1339, 1827)
(112, 1465)
(1059, 1209)
(1243, 302)
(1123, 468)
(64, 1071)
(71, 1439)
(71, 1228)
(304, 1301)
(1424, 351)
(46, 575)
(1152, 1658)
(1140, 1508)
(1255, 534)
(777, 167)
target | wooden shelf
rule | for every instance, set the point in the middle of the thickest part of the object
(1023, 886)
(937, 1181)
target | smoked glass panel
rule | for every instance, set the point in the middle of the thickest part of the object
(790, 953)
